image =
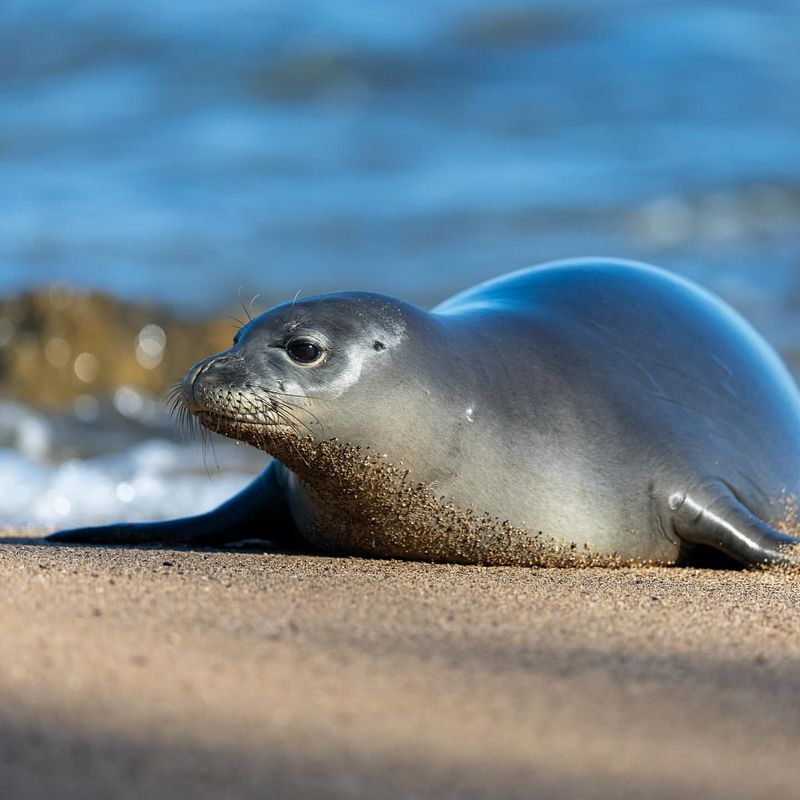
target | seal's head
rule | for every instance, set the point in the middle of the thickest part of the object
(291, 371)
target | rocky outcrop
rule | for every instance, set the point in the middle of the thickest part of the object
(57, 346)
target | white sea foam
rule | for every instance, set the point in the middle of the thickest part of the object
(151, 479)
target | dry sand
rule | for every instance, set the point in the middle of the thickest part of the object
(156, 673)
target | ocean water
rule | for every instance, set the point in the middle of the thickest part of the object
(192, 152)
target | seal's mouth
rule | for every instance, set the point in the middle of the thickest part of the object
(219, 422)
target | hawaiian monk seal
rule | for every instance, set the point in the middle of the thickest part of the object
(590, 411)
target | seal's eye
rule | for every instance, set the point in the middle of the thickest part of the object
(304, 351)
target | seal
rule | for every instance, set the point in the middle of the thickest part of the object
(578, 412)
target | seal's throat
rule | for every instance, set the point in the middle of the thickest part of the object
(360, 503)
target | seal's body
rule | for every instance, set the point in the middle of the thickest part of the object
(577, 412)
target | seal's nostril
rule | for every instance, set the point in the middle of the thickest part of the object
(188, 387)
(190, 381)
(192, 374)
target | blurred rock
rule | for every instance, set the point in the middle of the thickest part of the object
(59, 349)
(510, 27)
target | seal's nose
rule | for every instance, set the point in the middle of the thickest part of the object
(207, 378)
(193, 378)
(193, 373)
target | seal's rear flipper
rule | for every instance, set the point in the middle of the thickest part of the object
(726, 524)
(258, 512)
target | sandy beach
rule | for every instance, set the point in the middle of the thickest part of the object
(163, 673)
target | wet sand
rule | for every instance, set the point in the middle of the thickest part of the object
(162, 673)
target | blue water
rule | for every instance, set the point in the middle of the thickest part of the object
(181, 151)
(194, 150)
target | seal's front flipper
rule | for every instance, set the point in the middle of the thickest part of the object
(189, 531)
(259, 511)
(727, 524)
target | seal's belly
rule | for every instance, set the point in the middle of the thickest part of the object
(366, 506)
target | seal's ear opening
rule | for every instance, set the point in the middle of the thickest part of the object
(376, 345)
